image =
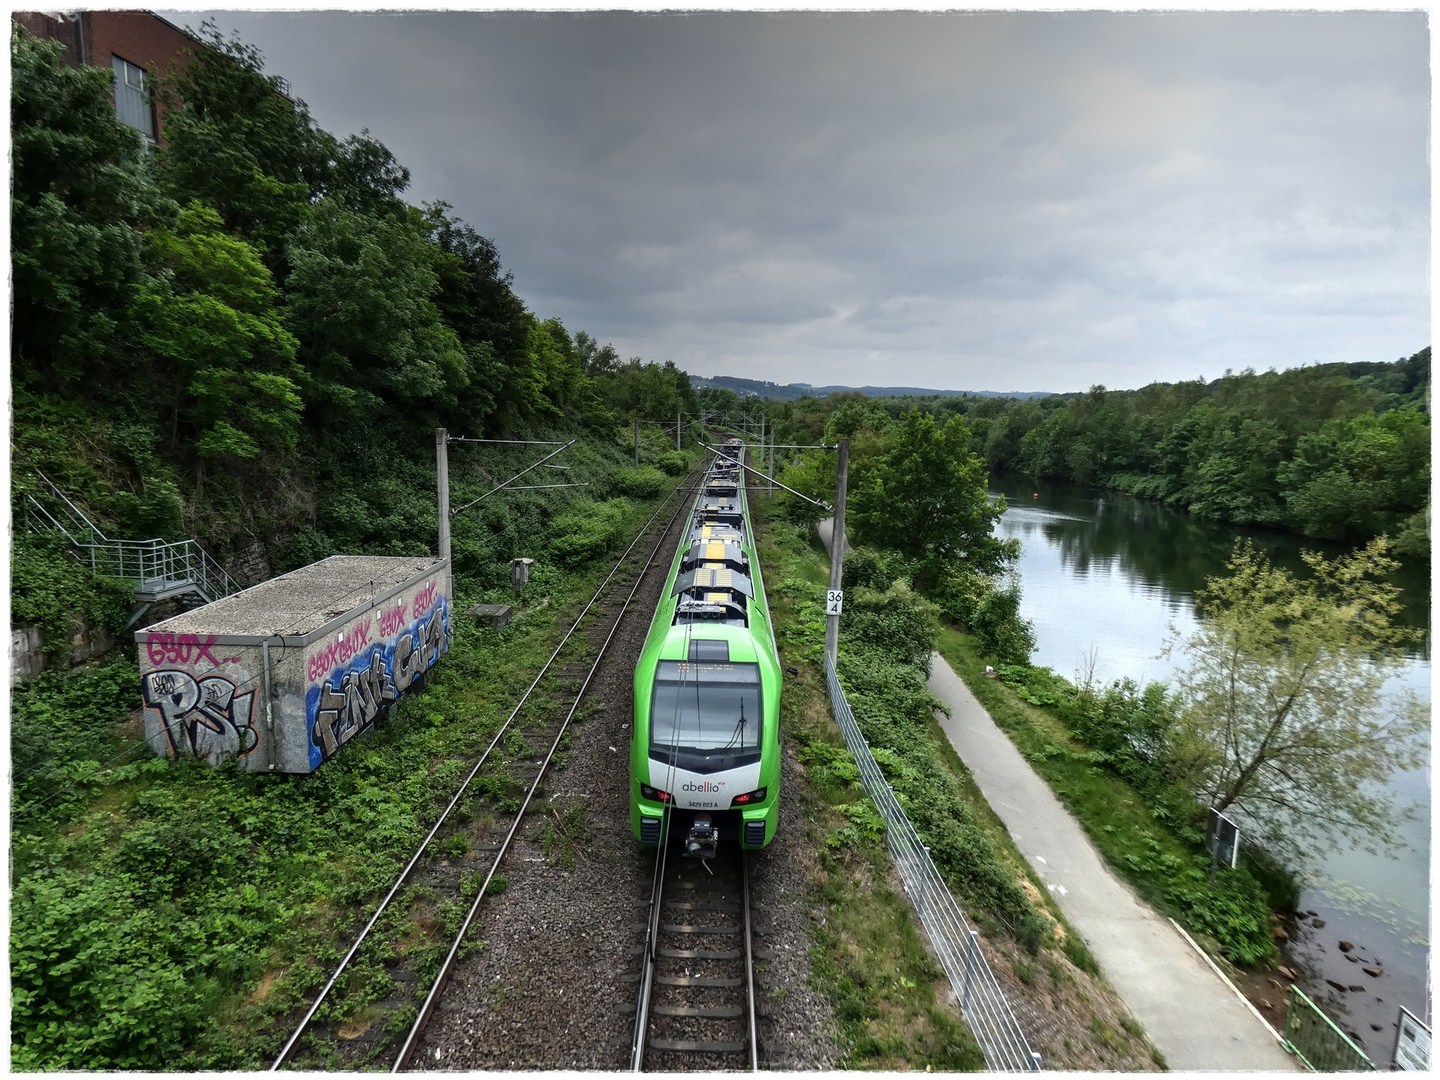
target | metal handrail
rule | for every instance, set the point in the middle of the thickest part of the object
(1318, 1041)
(957, 946)
(155, 563)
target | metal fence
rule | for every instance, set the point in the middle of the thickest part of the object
(957, 946)
(158, 568)
(1313, 1037)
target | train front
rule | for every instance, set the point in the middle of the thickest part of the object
(706, 743)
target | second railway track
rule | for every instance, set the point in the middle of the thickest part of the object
(373, 1010)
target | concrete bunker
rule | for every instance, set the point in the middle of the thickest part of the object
(282, 675)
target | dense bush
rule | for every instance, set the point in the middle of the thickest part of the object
(586, 530)
(990, 609)
(896, 623)
(894, 709)
(998, 625)
(49, 589)
(674, 463)
(642, 483)
(865, 566)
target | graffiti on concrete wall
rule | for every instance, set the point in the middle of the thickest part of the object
(356, 675)
(354, 702)
(206, 718)
(182, 649)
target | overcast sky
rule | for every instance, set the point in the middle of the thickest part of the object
(995, 201)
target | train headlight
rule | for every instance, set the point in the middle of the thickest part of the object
(750, 797)
(656, 794)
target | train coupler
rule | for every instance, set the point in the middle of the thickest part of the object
(702, 839)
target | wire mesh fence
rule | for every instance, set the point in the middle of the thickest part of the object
(1313, 1037)
(957, 946)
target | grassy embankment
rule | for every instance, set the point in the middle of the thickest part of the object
(1154, 840)
(165, 915)
(891, 999)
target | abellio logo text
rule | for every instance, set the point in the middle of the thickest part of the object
(704, 785)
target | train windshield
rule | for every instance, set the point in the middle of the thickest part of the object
(705, 716)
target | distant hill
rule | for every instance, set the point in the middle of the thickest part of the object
(795, 391)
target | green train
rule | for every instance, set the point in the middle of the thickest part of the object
(705, 748)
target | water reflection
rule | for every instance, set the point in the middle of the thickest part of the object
(1161, 547)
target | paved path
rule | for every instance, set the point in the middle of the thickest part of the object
(1188, 1011)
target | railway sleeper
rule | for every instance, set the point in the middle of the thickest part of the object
(694, 1046)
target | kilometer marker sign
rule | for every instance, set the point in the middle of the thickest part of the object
(834, 600)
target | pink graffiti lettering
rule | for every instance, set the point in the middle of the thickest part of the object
(180, 648)
(392, 621)
(332, 654)
(424, 600)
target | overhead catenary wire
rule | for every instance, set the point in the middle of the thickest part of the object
(777, 483)
(507, 483)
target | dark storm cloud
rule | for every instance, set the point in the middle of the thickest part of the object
(989, 201)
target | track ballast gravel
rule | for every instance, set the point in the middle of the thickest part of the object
(544, 982)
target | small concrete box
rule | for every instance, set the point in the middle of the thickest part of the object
(282, 675)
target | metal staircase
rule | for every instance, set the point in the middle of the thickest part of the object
(160, 569)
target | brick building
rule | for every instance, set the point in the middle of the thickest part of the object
(135, 45)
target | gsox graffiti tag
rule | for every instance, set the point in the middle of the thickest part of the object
(340, 651)
(182, 649)
(348, 700)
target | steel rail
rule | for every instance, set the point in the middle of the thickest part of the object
(295, 1037)
(749, 962)
(652, 940)
(437, 987)
(650, 956)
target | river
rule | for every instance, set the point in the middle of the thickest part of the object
(1104, 579)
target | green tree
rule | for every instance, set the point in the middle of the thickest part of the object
(78, 191)
(225, 365)
(362, 294)
(238, 144)
(925, 496)
(1282, 714)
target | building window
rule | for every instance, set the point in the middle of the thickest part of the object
(132, 97)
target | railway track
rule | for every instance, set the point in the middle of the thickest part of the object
(374, 1008)
(696, 1008)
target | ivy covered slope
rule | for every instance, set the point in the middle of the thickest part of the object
(248, 336)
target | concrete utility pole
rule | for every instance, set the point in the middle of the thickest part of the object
(442, 501)
(637, 440)
(770, 472)
(837, 549)
(677, 429)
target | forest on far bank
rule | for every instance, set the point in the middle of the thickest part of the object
(1333, 451)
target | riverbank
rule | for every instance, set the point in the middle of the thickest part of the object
(1196, 1020)
(1118, 824)
(1105, 580)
